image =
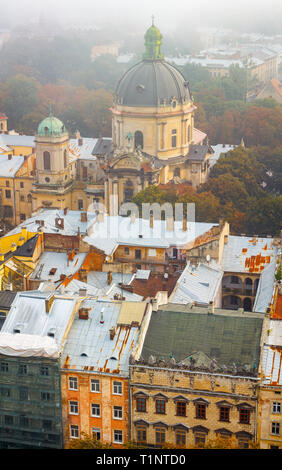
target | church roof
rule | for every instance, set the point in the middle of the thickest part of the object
(51, 126)
(153, 81)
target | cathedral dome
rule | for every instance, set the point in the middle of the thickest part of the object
(153, 81)
(51, 126)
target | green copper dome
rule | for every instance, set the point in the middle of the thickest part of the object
(153, 42)
(51, 126)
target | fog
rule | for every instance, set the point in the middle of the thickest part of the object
(135, 15)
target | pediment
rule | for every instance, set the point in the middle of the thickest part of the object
(126, 162)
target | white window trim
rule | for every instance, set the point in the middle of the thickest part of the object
(275, 433)
(96, 415)
(118, 442)
(117, 393)
(117, 417)
(72, 412)
(274, 403)
(72, 388)
(95, 391)
(77, 428)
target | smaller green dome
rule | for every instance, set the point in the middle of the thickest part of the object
(51, 126)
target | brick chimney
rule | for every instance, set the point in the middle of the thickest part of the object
(109, 278)
(83, 313)
(83, 217)
(112, 333)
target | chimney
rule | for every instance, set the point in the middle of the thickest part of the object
(112, 333)
(10, 156)
(151, 221)
(24, 233)
(211, 307)
(83, 313)
(83, 217)
(109, 278)
(48, 303)
(59, 222)
(184, 224)
(102, 316)
(80, 141)
(65, 211)
(77, 134)
(71, 255)
(82, 291)
(100, 217)
(170, 224)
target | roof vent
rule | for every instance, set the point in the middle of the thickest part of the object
(102, 316)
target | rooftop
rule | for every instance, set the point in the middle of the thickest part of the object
(248, 254)
(46, 220)
(89, 346)
(30, 315)
(230, 339)
(10, 166)
(112, 231)
(51, 266)
(197, 284)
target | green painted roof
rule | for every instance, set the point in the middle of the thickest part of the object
(51, 126)
(228, 337)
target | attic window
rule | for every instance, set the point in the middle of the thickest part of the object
(52, 271)
(83, 355)
(113, 358)
(16, 330)
(140, 88)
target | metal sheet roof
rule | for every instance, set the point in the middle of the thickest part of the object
(198, 284)
(28, 314)
(248, 254)
(9, 168)
(89, 347)
(58, 262)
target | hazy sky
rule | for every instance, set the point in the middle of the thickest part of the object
(168, 13)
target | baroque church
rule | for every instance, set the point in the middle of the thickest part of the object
(154, 141)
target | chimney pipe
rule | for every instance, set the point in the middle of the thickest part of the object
(151, 221)
(112, 333)
(109, 278)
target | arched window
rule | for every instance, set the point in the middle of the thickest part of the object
(46, 160)
(138, 139)
(128, 191)
(65, 158)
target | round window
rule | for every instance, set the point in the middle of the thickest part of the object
(47, 180)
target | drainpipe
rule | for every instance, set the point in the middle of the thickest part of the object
(129, 409)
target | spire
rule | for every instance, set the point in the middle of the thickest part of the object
(153, 42)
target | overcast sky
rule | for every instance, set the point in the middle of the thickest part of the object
(168, 13)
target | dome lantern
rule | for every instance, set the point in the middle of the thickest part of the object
(153, 42)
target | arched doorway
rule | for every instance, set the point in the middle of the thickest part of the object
(138, 139)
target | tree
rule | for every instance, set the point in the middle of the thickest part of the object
(87, 442)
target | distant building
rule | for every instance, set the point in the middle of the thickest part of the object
(272, 89)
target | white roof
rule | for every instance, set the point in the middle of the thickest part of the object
(248, 254)
(218, 150)
(28, 315)
(18, 140)
(9, 168)
(197, 284)
(28, 345)
(106, 235)
(265, 290)
(59, 261)
(271, 364)
(85, 150)
(89, 345)
(72, 222)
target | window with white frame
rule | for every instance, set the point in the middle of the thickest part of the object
(117, 388)
(276, 407)
(73, 383)
(117, 412)
(117, 436)
(95, 409)
(95, 385)
(73, 407)
(275, 428)
(74, 431)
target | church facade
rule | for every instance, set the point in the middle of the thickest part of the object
(154, 141)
